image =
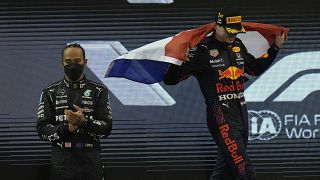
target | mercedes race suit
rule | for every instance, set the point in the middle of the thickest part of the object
(75, 154)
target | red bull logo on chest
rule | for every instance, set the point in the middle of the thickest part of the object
(232, 73)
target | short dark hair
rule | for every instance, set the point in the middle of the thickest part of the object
(74, 45)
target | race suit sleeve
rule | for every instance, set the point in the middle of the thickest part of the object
(176, 73)
(45, 122)
(256, 66)
(101, 123)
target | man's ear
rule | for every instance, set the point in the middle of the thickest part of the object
(85, 61)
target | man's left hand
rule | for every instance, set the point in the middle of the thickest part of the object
(75, 118)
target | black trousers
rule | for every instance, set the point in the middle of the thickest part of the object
(228, 126)
(85, 165)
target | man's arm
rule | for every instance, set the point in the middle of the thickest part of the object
(101, 124)
(176, 73)
(45, 128)
(257, 66)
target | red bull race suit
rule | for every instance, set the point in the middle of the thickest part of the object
(220, 69)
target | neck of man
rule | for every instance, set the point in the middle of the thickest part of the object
(218, 38)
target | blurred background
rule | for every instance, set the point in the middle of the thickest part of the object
(159, 131)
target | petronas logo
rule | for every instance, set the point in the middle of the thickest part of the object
(87, 93)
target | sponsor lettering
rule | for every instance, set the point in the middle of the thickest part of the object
(298, 133)
(87, 102)
(231, 96)
(212, 61)
(234, 86)
(41, 111)
(61, 97)
(239, 59)
(40, 107)
(302, 126)
(217, 62)
(61, 107)
(218, 65)
(234, 19)
(230, 143)
(87, 110)
(61, 118)
(86, 97)
(62, 101)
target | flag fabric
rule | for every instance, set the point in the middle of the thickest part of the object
(149, 63)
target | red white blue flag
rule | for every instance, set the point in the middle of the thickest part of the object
(149, 63)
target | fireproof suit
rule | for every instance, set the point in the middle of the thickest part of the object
(75, 155)
(220, 69)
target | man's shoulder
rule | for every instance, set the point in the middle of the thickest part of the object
(95, 84)
(204, 42)
(201, 46)
(238, 42)
(53, 85)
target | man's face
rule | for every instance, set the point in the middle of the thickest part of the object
(73, 55)
(223, 36)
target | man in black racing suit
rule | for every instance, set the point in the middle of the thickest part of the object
(219, 63)
(74, 114)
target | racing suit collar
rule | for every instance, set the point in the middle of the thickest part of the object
(76, 85)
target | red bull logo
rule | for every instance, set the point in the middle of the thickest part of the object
(234, 86)
(232, 73)
(231, 144)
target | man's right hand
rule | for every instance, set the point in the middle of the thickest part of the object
(279, 40)
(72, 128)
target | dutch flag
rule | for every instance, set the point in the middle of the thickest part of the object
(149, 63)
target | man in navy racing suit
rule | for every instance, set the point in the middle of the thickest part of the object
(219, 63)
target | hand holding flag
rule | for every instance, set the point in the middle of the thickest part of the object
(149, 63)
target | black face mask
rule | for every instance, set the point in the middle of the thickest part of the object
(73, 71)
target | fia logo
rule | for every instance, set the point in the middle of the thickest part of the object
(263, 125)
